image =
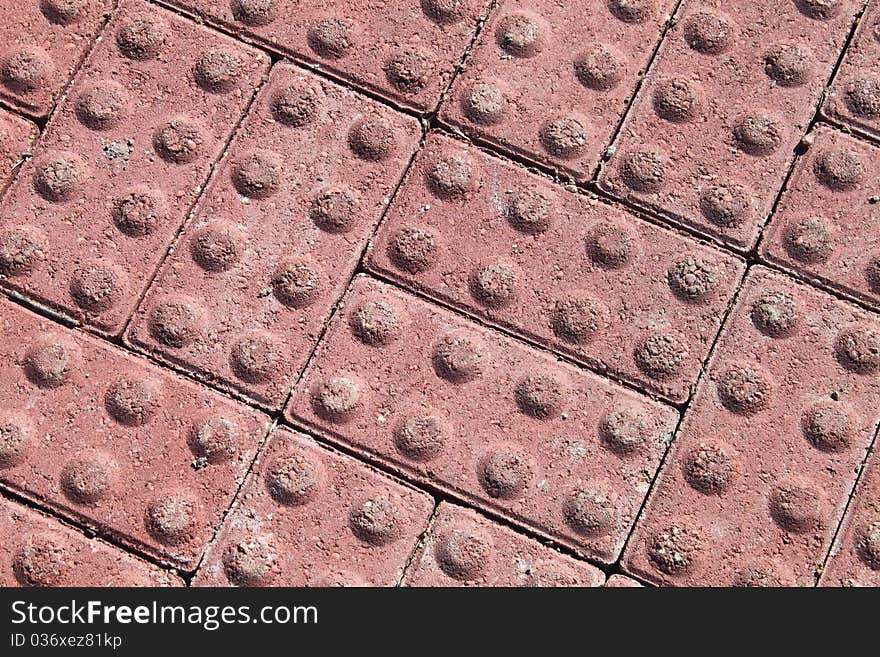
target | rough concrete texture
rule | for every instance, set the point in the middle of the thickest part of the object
(405, 52)
(276, 236)
(36, 550)
(42, 42)
(90, 217)
(463, 548)
(565, 270)
(115, 443)
(549, 81)
(622, 582)
(712, 132)
(348, 525)
(855, 556)
(507, 428)
(761, 470)
(854, 98)
(17, 135)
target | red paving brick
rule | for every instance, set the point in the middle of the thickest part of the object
(565, 270)
(855, 556)
(404, 52)
(17, 134)
(276, 236)
(42, 42)
(765, 460)
(824, 224)
(122, 161)
(38, 551)
(463, 548)
(854, 98)
(115, 443)
(622, 582)
(349, 525)
(549, 81)
(476, 414)
(711, 134)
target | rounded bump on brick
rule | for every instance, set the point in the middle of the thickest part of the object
(758, 134)
(600, 68)
(674, 550)
(332, 38)
(255, 13)
(217, 71)
(16, 438)
(59, 176)
(452, 176)
(338, 398)
(775, 314)
(376, 521)
(827, 427)
(25, 70)
(858, 350)
(872, 270)
(725, 204)
(175, 322)
(252, 561)
(590, 510)
(375, 323)
(708, 32)
(708, 468)
(420, 436)
(808, 240)
(98, 286)
(756, 578)
(333, 209)
(22, 250)
(412, 249)
(504, 472)
(463, 555)
(795, 507)
(675, 100)
(623, 430)
(529, 210)
(564, 137)
(819, 9)
(458, 358)
(62, 12)
(41, 561)
(257, 174)
(744, 390)
(644, 170)
(297, 282)
(521, 34)
(372, 139)
(294, 479)
(661, 355)
(409, 71)
(445, 12)
(139, 210)
(295, 106)
(862, 97)
(133, 402)
(693, 278)
(142, 38)
(172, 518)
(217, 246)
(632, 11)
(578, 318)
(214, 438)
(484, 103)
(540, 396)
(788, 65)
(839, 169)
(257, 358)
(494, 284)
(868, 545)
(179, 140)
(51, 359)
(88, 479)
(609, 245)
(101, 106)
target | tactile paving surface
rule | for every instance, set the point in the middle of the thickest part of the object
(508, 428)
(405, 52)
(91, 216)
(764, 462)
(276, 236)
(115, 443)
(712, 132)
(350, 525)
(549, 81)
(462, 548)
(854, 98)
(41, 44)
(17, 134)
(565, 270)
(38, 551)
(824, 225)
